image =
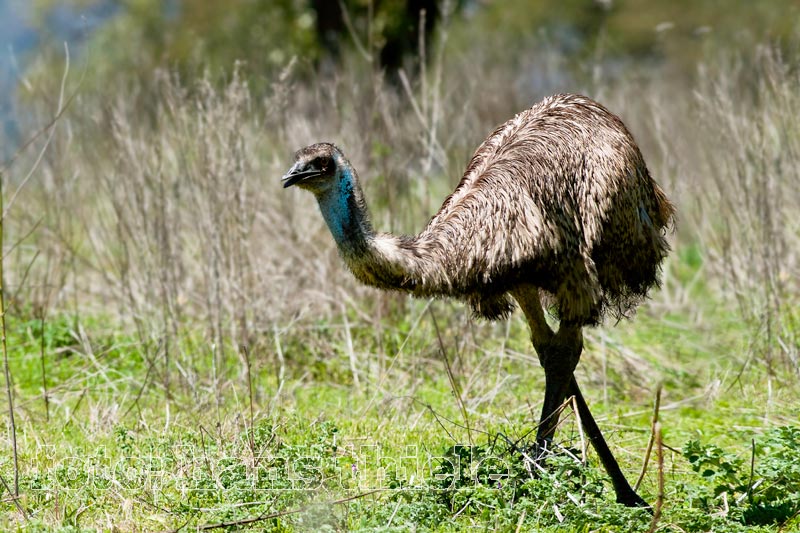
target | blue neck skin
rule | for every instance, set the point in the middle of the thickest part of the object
(341, 212)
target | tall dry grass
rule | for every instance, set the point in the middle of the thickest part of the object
(162, 205)
(749, 195)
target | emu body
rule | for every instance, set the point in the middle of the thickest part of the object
(556, 209)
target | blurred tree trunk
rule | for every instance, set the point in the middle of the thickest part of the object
(330, 25)
(399, 36)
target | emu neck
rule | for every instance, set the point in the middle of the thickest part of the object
(344, 211)
(380, 260)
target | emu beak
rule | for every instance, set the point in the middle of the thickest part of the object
(297, 173)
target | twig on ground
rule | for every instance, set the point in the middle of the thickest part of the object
(278, 514)
(14, 498)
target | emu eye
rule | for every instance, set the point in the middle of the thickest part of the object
(322, 163)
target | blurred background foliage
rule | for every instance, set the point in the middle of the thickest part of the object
(118, 46)
(264, 35)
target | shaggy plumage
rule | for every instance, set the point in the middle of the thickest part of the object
(558, 197)
(556, 208)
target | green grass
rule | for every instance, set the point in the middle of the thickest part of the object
(393, 452)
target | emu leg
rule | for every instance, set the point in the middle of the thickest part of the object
(559, 356)
(556, 388)
(625, 493)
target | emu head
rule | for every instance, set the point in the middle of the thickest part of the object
(315, 168)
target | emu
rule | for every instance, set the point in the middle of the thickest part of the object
(556, 210)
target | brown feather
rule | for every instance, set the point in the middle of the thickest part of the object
(558, 197)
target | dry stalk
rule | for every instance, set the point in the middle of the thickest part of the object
(351, 354)
(4, 209)
(451, 377)
(579, 423)
(656, 408)
(280, 371)
(365, 51)
(15, 499)
(749, 493)
(45, 395)
(4, 344)
(660, 498)
(48, 129)
(245, 351)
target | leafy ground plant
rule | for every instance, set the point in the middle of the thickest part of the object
(762, 491)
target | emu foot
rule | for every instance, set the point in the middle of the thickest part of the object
(631, 499)
(536, 455)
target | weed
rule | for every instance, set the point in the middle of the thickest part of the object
(763, 491)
